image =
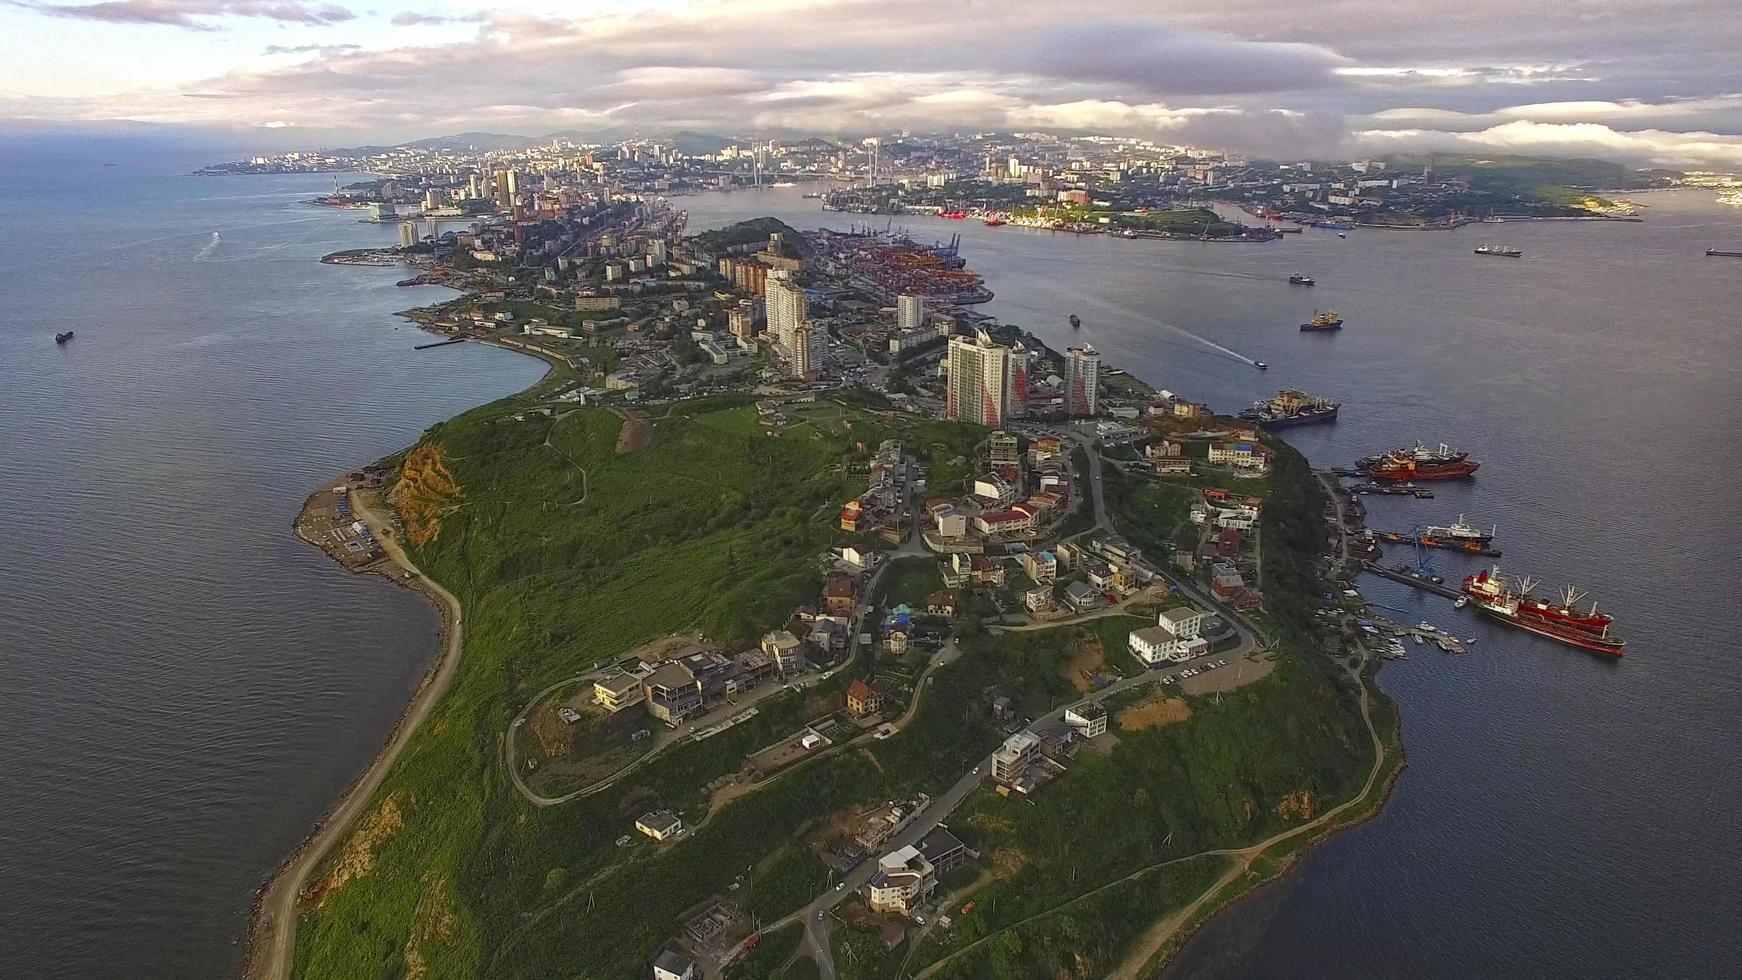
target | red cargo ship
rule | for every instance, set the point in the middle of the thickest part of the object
(1588, 630)
(1421, 463)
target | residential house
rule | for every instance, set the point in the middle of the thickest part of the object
(671, 965)
(1182, 623)
(852, 512)
(1038, 599)
(944, 850)
(617, 691)
(672, 693)
(1012, 759)
(950, 522)
(840, 594)
(787, 651)
(904, 881)
(1001, 448)
(661, 825)
(1088, 718)
(1099, 573)
(942, 604)
(985, 571)
(1018, 520)
(995, 489)
(1083, 597)
(863, 699)
(1155, 645)
(1040, 566)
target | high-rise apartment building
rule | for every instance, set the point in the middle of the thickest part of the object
(808, 343)
(787, 307)
(1082, 380)
(988, 382)
(909, 313)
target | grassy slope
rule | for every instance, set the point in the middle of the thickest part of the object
(715, 526)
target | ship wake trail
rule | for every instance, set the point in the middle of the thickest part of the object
(1205, 342)
(206, 251)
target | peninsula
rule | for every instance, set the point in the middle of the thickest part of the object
(817, 624)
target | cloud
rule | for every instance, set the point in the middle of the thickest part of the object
(412, 18)
(1157, 58)
(1657, 77)
(310, 48)
(195, 14)
(1647, 147)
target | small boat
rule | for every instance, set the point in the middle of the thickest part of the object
(1076, 321)
(1341, 235)
(1301, 280)
(61, 338)
(1461, 602)
(1417, 638)
(1260, 365)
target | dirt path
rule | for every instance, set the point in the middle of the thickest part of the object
(1167, 929)
(272, 937)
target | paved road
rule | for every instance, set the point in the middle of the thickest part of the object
(273, 939)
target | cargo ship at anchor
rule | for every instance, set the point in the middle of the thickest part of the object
(1561, 621)
(1291, 407)
(1418, 464)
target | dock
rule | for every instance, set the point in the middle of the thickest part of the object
(1728, 253)
(440, 343)
(1437, 588)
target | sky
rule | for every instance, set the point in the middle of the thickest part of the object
(1647, 82)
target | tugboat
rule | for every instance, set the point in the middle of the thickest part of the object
(1291, 407)
(1460, 533)
(1562, 621)
(1300, 280)
(1076, 322)
(61, 338)
(1324, 321)
(1505, 251)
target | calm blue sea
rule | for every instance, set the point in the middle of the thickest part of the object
(184, 686)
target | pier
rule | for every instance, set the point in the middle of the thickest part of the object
(1437, 588)
(440, 343)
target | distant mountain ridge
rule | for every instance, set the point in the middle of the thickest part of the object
(685, 141)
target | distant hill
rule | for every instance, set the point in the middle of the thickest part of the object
(752, 231)
(1525, 173)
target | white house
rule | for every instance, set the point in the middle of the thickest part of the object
(671, 965)
(904, 881)
(1154, 645)
(1089, 718)
(1183, 623)
(993, 487)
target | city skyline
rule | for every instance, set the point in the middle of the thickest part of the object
(1650, 84)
